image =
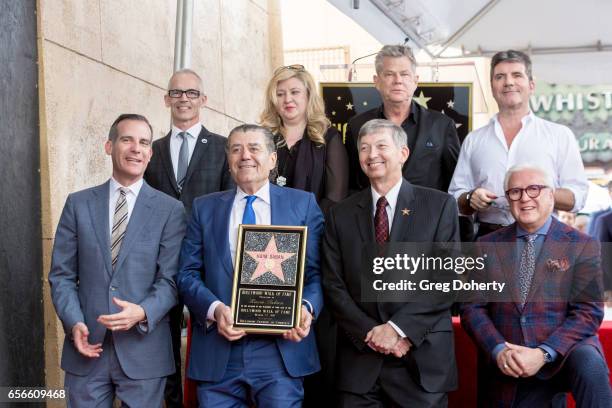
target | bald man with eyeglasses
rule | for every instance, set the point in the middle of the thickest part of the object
(188, 162)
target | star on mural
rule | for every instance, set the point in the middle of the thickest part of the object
(422, 99)
(365, 103)
(333, 113)
(450, 104)
(269, 260)
(349, 106)
(339, 98)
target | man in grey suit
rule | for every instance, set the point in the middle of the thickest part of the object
(112, 279)
(188, 162)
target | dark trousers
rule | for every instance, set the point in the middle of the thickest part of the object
(319, 388)
(584, 373)
(393, 388)
(173, 393)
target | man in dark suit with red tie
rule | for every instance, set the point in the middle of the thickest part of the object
(541, 338)
(389, 353)
(188, 162)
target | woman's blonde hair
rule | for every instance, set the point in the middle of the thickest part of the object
(316, 121)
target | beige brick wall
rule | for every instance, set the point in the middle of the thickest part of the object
(101, 58)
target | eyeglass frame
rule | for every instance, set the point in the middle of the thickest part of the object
(184, 92)
(539, 187)
(292, 67)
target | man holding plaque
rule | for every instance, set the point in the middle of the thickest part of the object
(230, 367)
(389, 353)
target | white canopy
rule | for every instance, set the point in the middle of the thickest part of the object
(570, 42)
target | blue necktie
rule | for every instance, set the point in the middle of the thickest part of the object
(249, 215)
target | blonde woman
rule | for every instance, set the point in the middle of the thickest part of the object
(311, 155)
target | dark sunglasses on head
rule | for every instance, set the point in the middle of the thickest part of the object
(177, 93)
(533, 191)
(293, 67)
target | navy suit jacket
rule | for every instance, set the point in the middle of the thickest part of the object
(206, 275)
(83, 282)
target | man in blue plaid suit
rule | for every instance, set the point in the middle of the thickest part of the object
(542, 339)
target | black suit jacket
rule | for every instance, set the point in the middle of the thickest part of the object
(208, 171)
(433, 153)
(428, 326)
(604, 234)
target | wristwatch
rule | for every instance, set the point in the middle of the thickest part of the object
(468, 196)
(547, 356)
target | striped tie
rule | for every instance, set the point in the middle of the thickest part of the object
(119, 225)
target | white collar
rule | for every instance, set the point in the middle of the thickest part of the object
(391, 195)
(133, 188)
(263, 193)
(193, 131)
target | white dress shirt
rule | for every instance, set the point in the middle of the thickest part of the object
(261, 207)
(485, 158)
(130, 196)
(391, 197)
(175, 143)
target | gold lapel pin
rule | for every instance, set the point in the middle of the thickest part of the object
(406, 211)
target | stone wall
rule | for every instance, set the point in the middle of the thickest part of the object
(101, 58)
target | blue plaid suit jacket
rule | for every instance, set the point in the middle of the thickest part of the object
(558, 313)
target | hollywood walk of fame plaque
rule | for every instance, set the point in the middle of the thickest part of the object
(268, 278)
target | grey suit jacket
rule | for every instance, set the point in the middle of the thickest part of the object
(83, 282)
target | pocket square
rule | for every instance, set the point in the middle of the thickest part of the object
(429, 144)
(558, 265)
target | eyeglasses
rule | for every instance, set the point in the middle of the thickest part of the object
(515, 194)
(293, 67)
(177, 93)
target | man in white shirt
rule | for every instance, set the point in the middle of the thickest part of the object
(188, 162)
(515, 136)
(230, 367)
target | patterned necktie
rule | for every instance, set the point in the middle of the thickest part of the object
(183, 161)
(381, 222)
(527, 267)
(248, 217)
(119, 225)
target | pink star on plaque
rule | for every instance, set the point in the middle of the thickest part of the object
(269, 260)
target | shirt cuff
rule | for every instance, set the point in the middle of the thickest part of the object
(144, 326)
(397, 329)
(210, 315)
(308, 307)
(498, 349)
(549, 350)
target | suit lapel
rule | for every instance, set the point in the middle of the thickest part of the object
(167, 161)
(221, 229)
(98, 208)
(199, 150)
(140, 215)
(507, 255)
(402, 225)
(364, 217)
